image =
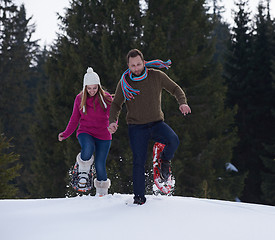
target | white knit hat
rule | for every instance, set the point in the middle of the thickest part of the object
(91, 78)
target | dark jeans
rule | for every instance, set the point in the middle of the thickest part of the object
(140, 135)
(89, 146)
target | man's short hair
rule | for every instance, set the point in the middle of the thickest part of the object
(134, 53)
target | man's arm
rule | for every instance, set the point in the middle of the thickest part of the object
(115, 109)
(175, 90)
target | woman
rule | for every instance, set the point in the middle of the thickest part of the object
(91, 112)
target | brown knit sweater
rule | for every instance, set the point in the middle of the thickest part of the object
(146, 107)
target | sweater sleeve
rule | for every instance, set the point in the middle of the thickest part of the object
(74, 120)
(174, 89)
(116, 105)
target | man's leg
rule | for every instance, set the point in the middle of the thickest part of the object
(162, 133)
(139, 137)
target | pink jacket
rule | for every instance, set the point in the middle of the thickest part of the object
(94, 123)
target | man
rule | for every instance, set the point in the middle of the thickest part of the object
(140, 88)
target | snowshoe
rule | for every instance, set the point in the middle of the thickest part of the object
(164, 185)
(81, 181)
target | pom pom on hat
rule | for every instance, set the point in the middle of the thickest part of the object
(90, 78)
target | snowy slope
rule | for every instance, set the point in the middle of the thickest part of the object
(110, 218)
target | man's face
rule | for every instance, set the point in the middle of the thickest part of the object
(136, 65)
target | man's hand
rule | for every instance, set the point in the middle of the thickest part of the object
(185, 109)
(112, 128)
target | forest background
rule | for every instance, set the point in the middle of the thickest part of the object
(227, 145)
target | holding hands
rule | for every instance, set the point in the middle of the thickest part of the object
(112, 128)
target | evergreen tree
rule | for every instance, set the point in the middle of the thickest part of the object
(44, 168)
(9, 169)
(221, 32)
(95, 33)
(250, 74)
(7, 12)
(237, 80)
(17, 58)
(262, 106)
(268, 175)
(121, 34)
(183, 32)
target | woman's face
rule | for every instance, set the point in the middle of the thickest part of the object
(92, 89)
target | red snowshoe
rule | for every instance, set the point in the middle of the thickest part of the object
(160, 185)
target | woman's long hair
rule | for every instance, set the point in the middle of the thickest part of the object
(107, 98)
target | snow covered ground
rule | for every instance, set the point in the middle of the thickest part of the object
(110, 218)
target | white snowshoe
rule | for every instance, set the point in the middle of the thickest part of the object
(82, 174)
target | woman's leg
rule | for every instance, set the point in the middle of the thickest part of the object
(102, 148)
(85, 160)
(87, 144)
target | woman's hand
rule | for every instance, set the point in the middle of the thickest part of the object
(60, 137)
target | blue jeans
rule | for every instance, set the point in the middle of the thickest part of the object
(89, 146)
(140, 135)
